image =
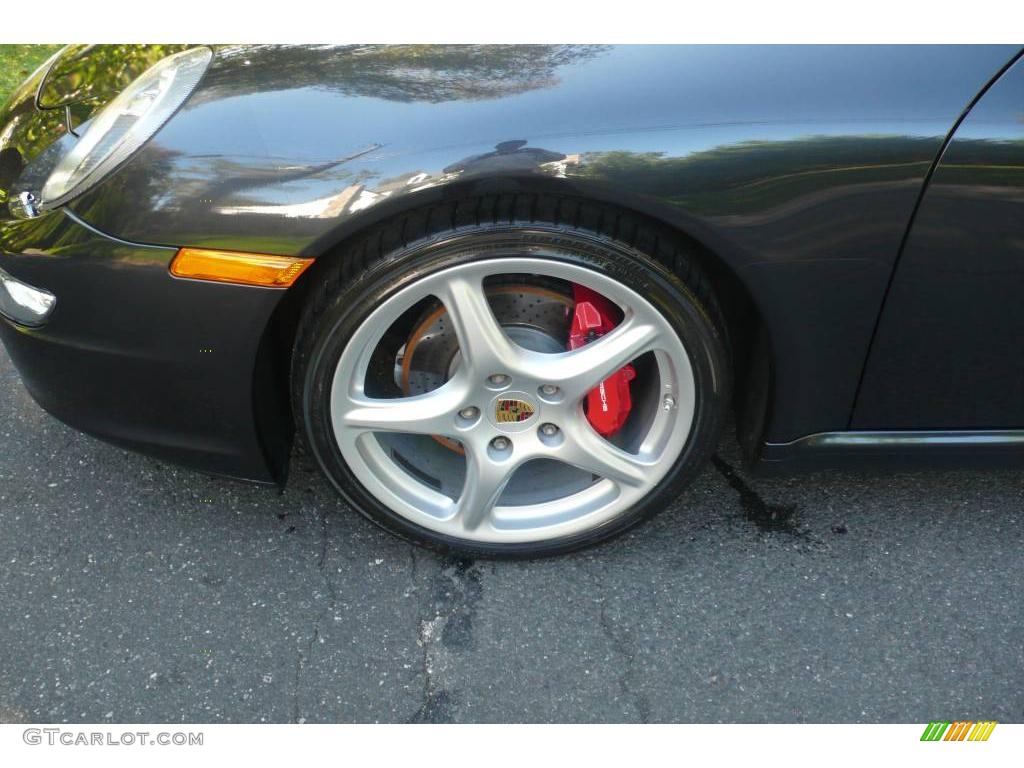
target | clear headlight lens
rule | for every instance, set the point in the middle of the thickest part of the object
(125, 124)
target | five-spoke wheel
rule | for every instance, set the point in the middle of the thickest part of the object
(445, 398)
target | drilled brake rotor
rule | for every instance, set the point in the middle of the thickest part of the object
(534, 317)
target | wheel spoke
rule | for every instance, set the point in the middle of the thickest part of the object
(485, 347)
(432, 413)
(485, 480)
(581, 370)
(588, 451)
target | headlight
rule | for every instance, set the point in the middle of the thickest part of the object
(125, 124)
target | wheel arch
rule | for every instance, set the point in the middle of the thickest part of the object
(748, 333)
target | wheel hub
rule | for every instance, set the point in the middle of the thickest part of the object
(535, 317)
(513, 412)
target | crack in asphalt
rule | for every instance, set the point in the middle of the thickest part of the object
(444, 633)
(438, 703)
(302, 658)
(435, 706)
(626, 649)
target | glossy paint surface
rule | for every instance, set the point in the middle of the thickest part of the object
(308, 138)
(136, 356)
(799, 167)
(950, 335)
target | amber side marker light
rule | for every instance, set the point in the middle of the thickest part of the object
(239, 268)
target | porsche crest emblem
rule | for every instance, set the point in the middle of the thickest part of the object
(509, 409)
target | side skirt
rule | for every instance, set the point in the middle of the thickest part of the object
(896, 450)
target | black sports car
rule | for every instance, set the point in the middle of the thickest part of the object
(508, 296)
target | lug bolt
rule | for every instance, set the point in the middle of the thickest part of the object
(500, 443)
(498, 380)
(548, 430)
(470, 413)
(668, 403)
(549, 390)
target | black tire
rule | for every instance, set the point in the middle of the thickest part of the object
(649, 258)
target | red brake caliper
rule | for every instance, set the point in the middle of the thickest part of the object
(609, 403)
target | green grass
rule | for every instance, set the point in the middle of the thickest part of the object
(17, 62)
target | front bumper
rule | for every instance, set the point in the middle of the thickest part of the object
(131, 354)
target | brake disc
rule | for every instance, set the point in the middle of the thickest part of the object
(534, 317)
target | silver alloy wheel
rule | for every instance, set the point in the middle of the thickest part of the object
(494, 370)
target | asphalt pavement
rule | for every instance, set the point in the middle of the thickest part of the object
(134, 591)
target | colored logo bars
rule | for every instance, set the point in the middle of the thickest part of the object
(960, 730)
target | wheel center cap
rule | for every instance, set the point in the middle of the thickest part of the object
(513, 411)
